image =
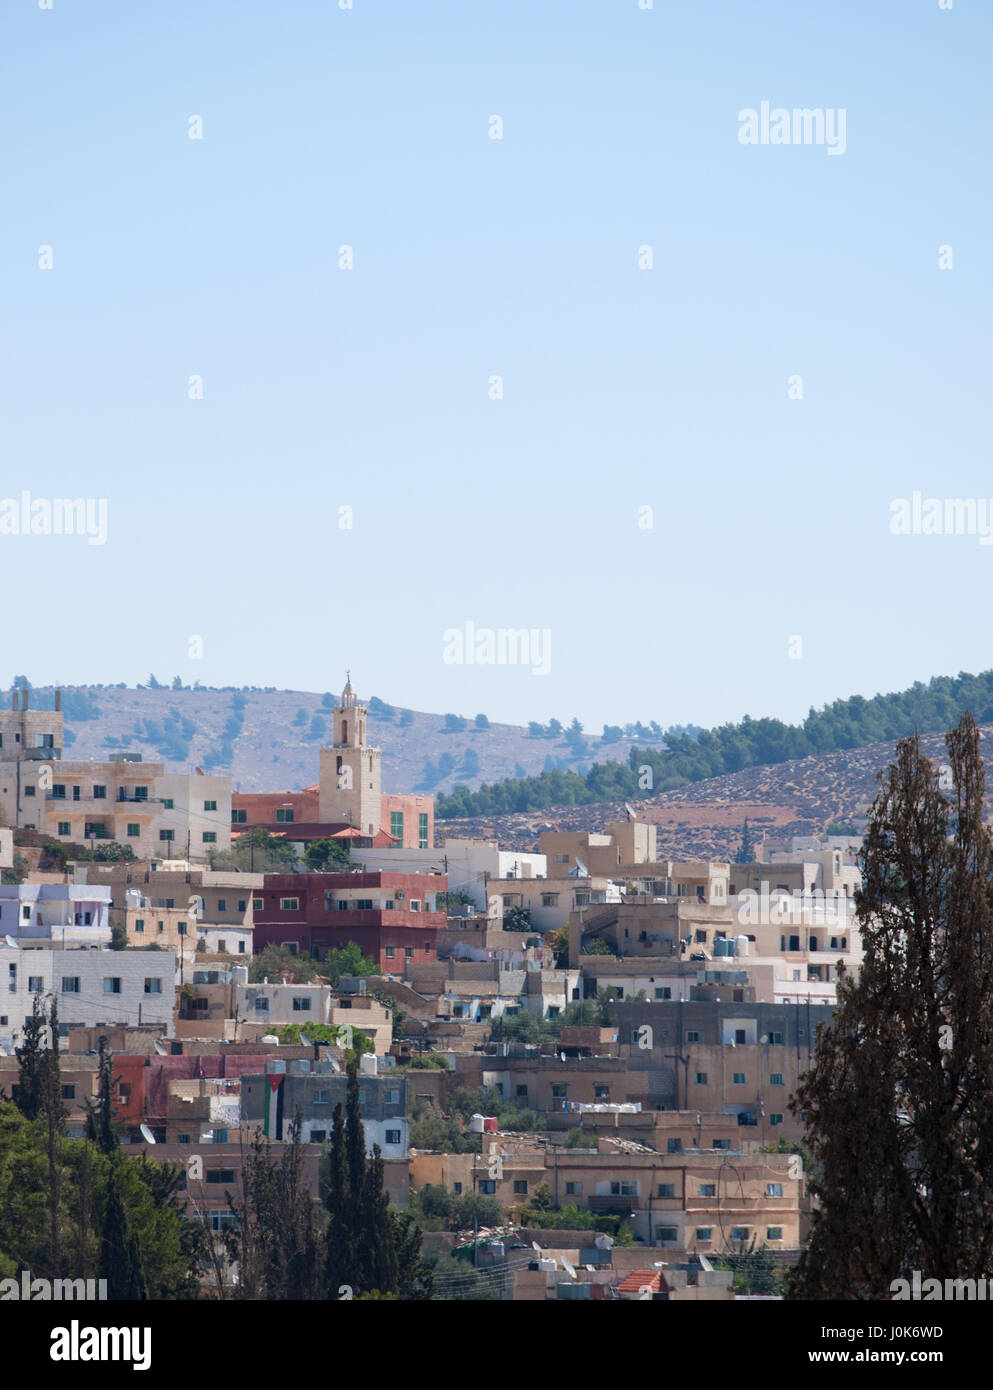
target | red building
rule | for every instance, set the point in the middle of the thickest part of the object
(394, 918)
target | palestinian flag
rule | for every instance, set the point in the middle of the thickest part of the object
(273, 1127)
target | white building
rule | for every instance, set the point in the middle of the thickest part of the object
(91, 987)
(55, 914)
(468, 864)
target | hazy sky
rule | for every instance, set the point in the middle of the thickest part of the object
(370, 388)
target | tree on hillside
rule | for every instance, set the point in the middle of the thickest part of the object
(898, 1102)
(482, 722)
(746, 850)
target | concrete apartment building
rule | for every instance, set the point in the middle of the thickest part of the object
(622, 843)
(550, 902)
(394, 918)
(91, 987)
(178, 905)
(43, 915)
(741, 1059)
(123, 799)
(708, 1203)
(270, 1102)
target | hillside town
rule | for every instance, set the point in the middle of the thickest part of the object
(576, 1064)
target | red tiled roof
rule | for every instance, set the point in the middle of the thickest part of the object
(634, 1283)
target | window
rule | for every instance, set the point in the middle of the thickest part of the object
(487, 1187)
(284, 814)
(457, 1189)
(773, 1232)
(167, 835)
(663, 992)
(623, 1189)
(301, 1004)
(722, 1143)
(392, 1097)
(393, 1136)
(29, 791)
(239, 817)
(601, 1093)
(258, 904)
(574, 1189)
(182, 1138)
(68, 1093)
(216, 1176)
(560, 1091)
(112, 984)
(667, 1233)
(59, 791)
(409, 952)
(774, 1189)
(99, 793)
(708, 1189)
(134, 830)
(222, 946)
(739, 1232)
(210, 837)
(549, 899)
(70, 984)
(161, 927)
(415, 905)
(261, 1004)
(241, 948)
(692, 1036)
(390, 952)
(222, 905)
(561, 859)
(396, 824)
(776, 1078)
(776, 1039)
(318, 1136)
(701, 1078)
(139, 924)
(422, 831)
(674, 1146)
(210, 805)
(167, 803)
(704, 1233)
(322, 1097)
(153, 984)
(740, 1079)
(667, 1189)
(775, 1119)
(521, 1092)
(289, 904)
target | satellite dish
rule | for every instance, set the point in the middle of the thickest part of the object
(536, 1247)
(147, 1134)
(568, 1266)
(9, 940)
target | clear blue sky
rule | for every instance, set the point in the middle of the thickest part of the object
(622, 388)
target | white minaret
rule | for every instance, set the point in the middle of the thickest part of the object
(350, 778)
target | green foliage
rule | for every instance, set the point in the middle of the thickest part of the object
(517, 919)
(596, 946)
(326, 856)
(18, 873)
(482, 723)
(746, 850)
(275, 961)
(256, 851)
(754, 1271)
(347, 960)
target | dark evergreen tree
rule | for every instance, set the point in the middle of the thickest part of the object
(100, 1115)
(746, 850)
(898, 1102)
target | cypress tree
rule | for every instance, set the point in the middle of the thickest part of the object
(898, 1102)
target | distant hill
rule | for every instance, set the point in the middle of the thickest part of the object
(261, 739)
(704, 819)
